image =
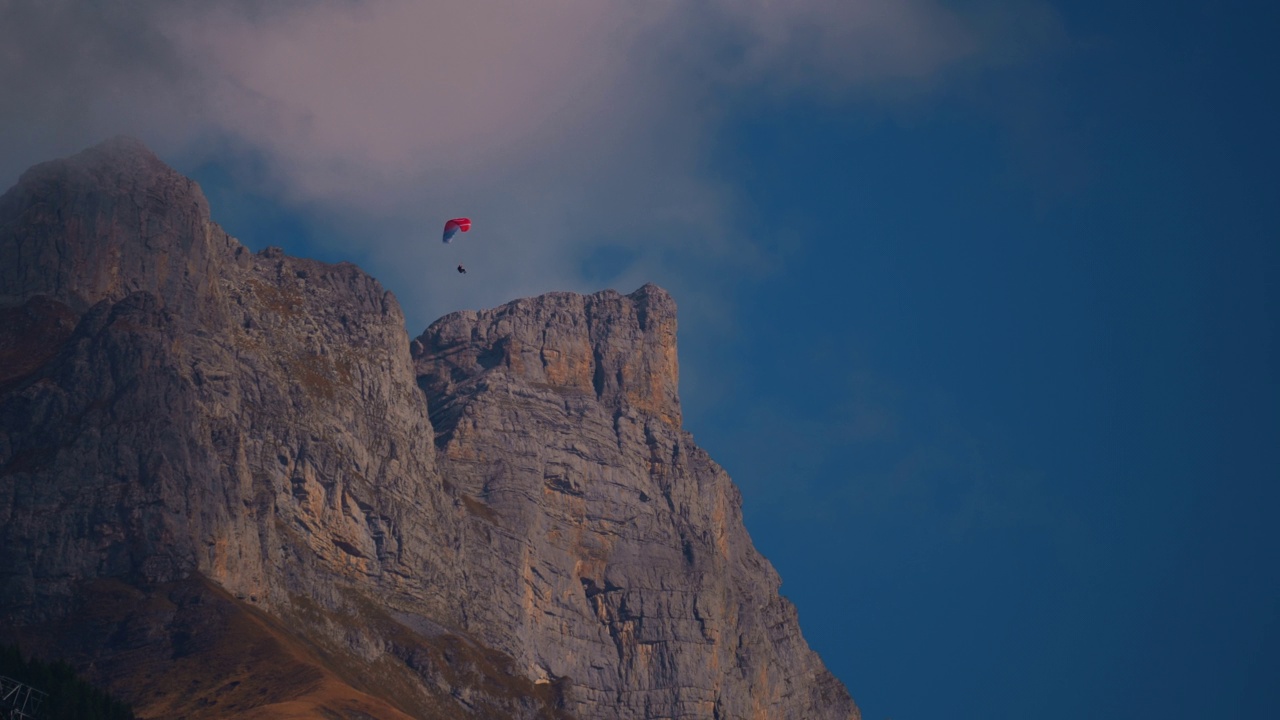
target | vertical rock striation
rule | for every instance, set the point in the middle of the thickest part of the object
(217, 465)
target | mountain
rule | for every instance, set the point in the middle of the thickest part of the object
(232, 487)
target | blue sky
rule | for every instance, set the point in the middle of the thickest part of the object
(1052, 290)
(979, 301)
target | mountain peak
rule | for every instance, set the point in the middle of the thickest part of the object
(102, 223)
(106, 163)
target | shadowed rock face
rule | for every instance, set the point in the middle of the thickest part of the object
(214, 462)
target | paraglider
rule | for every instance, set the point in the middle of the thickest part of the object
(462, 270)
(452, 227)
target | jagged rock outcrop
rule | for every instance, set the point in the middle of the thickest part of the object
(215, 462)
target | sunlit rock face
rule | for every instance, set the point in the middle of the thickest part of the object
(215, 464)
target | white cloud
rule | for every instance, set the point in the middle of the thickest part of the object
(558, 125)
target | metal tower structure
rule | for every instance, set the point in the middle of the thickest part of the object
(19, 701)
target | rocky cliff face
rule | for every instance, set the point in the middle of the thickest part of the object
(231, 487)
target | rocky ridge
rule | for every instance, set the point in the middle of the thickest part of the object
(215, 462)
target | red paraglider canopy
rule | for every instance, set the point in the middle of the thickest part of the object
(452, 227)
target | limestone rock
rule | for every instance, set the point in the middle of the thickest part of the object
(215, 464)
(559, 425)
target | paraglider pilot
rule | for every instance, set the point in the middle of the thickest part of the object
(462, 270)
